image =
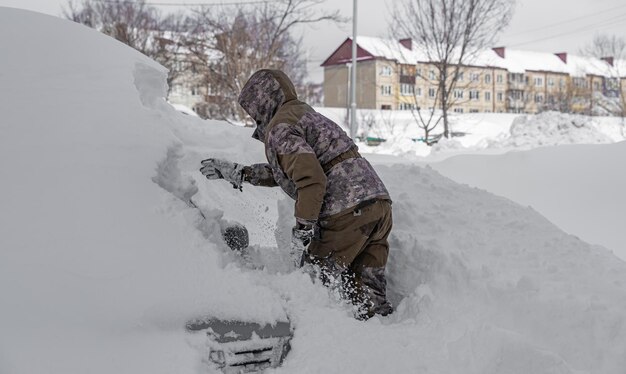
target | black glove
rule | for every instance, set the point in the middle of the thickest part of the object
(213, 168)
(301, 237)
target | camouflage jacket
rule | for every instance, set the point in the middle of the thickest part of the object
(309, 156)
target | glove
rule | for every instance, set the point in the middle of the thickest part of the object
(213, 168)
(300, 240)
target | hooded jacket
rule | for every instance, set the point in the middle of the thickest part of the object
(309, 156)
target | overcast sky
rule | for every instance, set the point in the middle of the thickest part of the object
(540, 25)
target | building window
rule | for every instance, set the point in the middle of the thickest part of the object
(418, 91)
(475, 77)
(561, 83)
(195, 91)
(539, 98)
(385, 71)
(458, 110)
(177, 89)
(499, 78)
(516, 77)
(473, 110)
(596, 86)
(385, 90)
(461, 77)
(487, 78)
(211, 91)
(550, 82)
(407, 106)
(500, 96)
(538, 81)
(432, 92)
(458, 94)
(418, 72)
(385, 107)
(580, 82)
(407, 89)
(487, 96)
(474, 95)
(432, 75)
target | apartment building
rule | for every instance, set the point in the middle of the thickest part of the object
(395, 75)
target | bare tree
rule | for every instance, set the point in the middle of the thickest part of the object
(130, 22)
(450, 33)
(612, 49)
(227, 45)
(136, 24)
(427, 119)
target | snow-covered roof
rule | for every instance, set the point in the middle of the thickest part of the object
(389, 49)
(514, 60)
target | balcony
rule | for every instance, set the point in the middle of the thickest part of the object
(515, 104)
(408, 79)
(516, 85)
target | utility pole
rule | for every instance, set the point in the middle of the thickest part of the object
(353, 83)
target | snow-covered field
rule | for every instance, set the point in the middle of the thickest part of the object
(102, 262)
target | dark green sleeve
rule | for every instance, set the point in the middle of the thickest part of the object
(305, 171)
(259, 175)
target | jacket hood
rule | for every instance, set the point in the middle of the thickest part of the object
(261, 97)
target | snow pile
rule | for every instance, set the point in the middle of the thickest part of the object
(104, 252)
(580, 187)
(486, 133)
(554, 128)
(99, 266)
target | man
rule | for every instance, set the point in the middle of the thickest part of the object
(342, 208)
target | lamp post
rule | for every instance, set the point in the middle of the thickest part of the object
(353, 80)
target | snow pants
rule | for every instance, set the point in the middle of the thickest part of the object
(352, 250)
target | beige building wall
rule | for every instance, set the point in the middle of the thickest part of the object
(405, 93)
(481, 89)
(556, 91)
(535, 95)
(580, 90)
(336, 86)
(386, 88)
(366, 82)
(425, 85)
(499, 90)
(337, 82)
(476, 90)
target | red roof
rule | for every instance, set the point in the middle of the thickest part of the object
(343, 54)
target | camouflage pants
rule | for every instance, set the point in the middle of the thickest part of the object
(352, 252)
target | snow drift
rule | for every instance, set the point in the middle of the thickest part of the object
(578, 187)
(554, 128)
(102, 257)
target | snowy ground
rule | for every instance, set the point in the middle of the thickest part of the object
(551, 162)
(101, 260)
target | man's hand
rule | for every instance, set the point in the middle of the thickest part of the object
(213, 168)
(301, 237)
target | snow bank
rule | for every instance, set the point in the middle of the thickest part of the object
(580, 188)
(554, 128)
(104, 254)
(99, 266)
(483, 133)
